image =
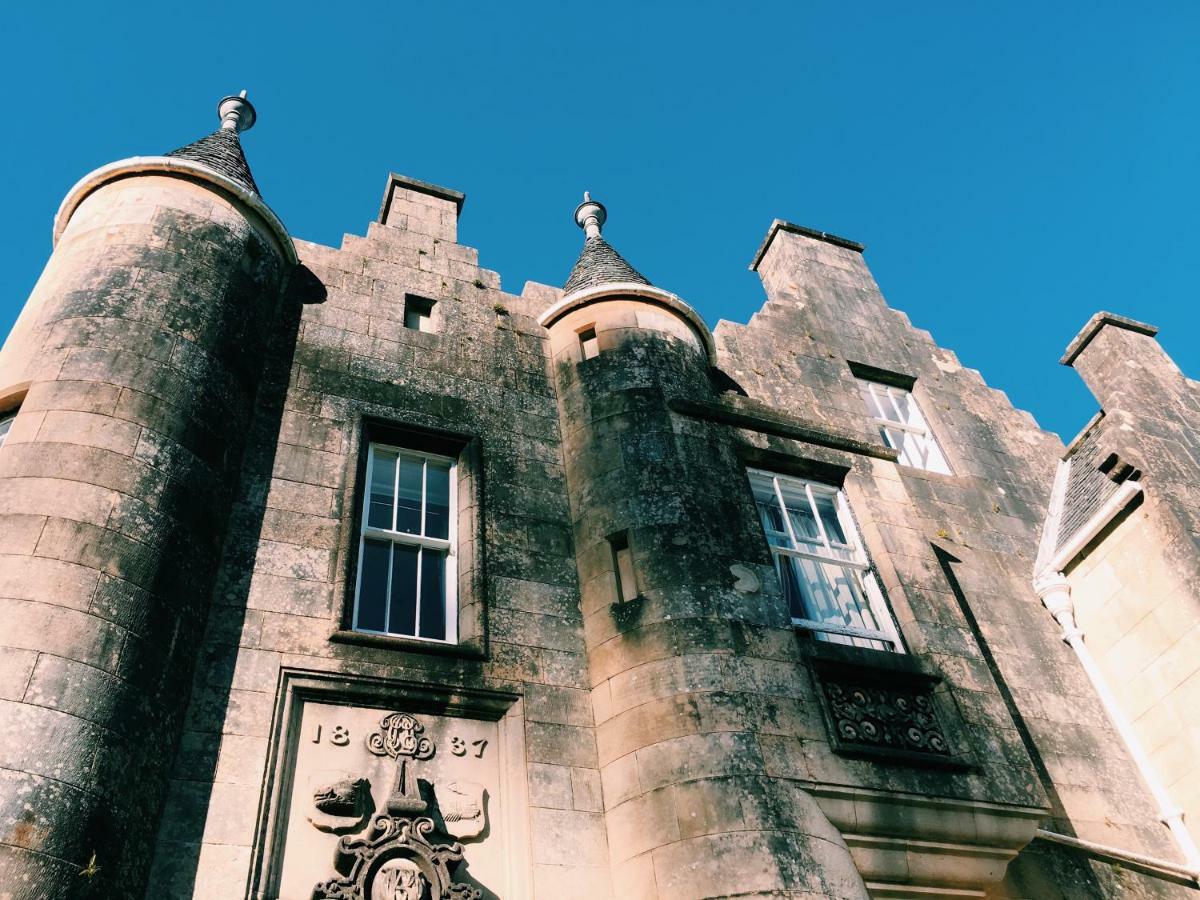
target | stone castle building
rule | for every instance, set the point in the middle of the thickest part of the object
(343, 573)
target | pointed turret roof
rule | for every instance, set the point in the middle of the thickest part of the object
(599, 263)
(221, 151)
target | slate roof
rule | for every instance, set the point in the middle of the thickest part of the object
(1087, 487)
(599, 263)
(221, 151)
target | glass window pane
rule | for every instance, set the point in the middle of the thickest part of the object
(786, 566)
(437, 499)
(906, 406)
(383, 484)
(5, 425)
(433, 595)
(803, 523)
(408, 506)
(877, 404)
(829, 518)
(372, 589)
(402, 617)
(772, 523)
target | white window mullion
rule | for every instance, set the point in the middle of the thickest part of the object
(417, 595)
(387, 599)
(396, 490)
(816, 513)
(424, 493)
(787, 519)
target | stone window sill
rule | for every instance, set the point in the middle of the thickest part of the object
(466, 649)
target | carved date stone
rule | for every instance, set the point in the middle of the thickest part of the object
(379, 802)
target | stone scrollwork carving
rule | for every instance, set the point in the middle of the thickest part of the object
(395, 860)
(399, 735)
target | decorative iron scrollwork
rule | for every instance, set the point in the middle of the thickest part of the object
(895, 717)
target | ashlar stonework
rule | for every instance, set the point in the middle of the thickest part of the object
(342, 572)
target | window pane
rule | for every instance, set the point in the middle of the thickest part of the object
(437, 499)
(786, 566)
(402, 617)
(907, 408)
(372, 590)
(408, 509)
(800, 512)
(772, 522)
(877, 404)
(383, 484)
(829, 518)
(5, 425)
(433, 595)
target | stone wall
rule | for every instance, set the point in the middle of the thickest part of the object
(482, 374)
(955, 554)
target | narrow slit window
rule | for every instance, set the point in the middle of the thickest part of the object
(418, 313)
(407, 546)
(588, 343)
(623, 568)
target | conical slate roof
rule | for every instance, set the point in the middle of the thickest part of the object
(599, 263)
(221, 151)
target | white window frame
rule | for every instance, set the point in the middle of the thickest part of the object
(850, 557)
(920, 450)
(6, 420)
(449, 544)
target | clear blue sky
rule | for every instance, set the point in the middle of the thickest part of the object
(1012, 168)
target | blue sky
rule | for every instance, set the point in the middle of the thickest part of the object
(1012, 168)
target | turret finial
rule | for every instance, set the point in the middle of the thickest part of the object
(237, 113)
(590, 215)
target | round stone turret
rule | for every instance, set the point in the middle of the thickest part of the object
(133, 369)
(691, 656)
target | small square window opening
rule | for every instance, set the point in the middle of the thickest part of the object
(588, 343)
(418, 313)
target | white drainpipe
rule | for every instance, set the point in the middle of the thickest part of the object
(1055, 591)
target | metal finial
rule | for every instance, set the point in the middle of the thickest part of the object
(236, 113)
(590, 215)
